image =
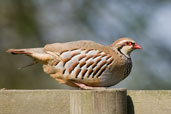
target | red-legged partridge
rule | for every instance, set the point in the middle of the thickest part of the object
(85, 64)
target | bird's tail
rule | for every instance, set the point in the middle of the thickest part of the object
(36, 53)
(20, 51)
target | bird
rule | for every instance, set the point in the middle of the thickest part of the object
(85, 64)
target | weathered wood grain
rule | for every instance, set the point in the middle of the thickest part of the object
(149, 101)
(109, 101)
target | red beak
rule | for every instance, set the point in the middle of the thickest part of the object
(136, 46)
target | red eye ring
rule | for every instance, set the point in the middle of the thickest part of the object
(128, 43)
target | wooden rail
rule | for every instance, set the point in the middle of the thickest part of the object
(109, 101)
(149, 101)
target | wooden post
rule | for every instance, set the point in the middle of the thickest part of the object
(109, 101)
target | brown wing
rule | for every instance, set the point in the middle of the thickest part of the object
(83, 44)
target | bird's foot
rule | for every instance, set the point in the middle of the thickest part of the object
(83, 86)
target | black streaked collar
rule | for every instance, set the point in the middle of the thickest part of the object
(119, 50)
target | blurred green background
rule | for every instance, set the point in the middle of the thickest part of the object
(34, 23)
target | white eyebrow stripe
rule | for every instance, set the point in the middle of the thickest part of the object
(125, 41)
(122, 41)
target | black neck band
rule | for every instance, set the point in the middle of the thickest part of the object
(119, 49)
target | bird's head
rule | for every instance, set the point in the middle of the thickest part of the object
(125, 46)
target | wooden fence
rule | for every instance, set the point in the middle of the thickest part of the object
(109, 101)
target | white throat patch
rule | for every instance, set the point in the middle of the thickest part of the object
(125, 50)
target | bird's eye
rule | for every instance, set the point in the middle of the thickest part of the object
(128, 43)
